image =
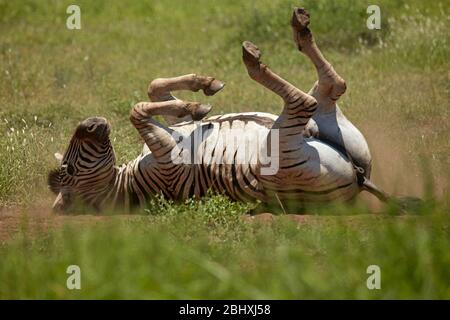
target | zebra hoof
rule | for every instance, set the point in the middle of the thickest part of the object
(251, 54)
(199, 111)
(299, 23)
(300, 19)
(214, 87)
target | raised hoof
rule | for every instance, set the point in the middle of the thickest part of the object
(300, 19)
(300, 22)
(198, 111)
(251, 54)
(214, 87)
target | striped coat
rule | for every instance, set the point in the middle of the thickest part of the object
(310, 152)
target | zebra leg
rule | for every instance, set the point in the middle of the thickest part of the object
(159, 138)
(160, 90)
(332, 125)
(330, 85)
(298, 106)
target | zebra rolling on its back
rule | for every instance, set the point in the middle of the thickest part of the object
(309, 153)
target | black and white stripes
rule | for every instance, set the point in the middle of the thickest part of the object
(88, 170)
(310, 152)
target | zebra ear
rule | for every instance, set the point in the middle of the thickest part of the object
(58, 157)
(53, 180)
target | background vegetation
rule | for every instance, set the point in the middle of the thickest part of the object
(398, 95)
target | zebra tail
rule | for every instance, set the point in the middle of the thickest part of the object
(404, 204)
(373, 189)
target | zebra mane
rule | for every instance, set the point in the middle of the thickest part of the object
(54, 180)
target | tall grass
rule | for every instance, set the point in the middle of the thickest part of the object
(205, 251)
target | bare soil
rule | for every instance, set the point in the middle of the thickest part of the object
(41, 220)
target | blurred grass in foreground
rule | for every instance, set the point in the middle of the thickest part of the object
(203, 250)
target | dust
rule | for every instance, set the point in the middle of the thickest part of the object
(396, 168)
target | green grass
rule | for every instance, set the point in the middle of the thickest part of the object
(203, 250)
(398, 95)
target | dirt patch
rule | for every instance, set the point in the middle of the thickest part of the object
(40, 220)
(33, 222)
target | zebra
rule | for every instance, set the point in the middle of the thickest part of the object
(321, 156)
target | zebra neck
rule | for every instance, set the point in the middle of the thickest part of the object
(122, 193)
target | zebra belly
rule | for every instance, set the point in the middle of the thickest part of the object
(334, 127)
(315, 172)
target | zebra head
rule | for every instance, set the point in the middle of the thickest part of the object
(87, 169)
